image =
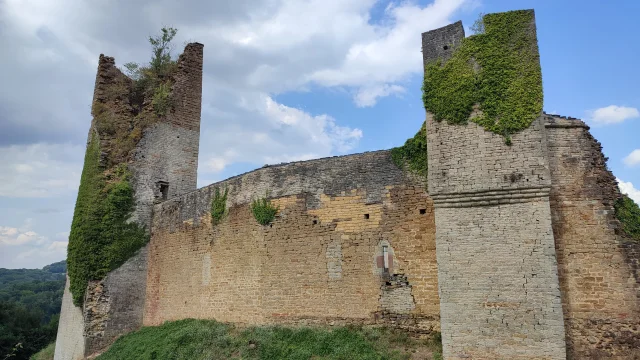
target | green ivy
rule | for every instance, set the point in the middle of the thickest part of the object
(263, 211)
(101, 238)
(628, 212)
(219, 205)
(413, 154)
(499, 70)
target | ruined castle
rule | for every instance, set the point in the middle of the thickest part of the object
(509, 247)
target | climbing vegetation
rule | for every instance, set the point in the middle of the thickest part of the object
(263, 210)
(628, 212)
(219, 205)
(101, 238)
(154, 80)
(413, 154)
(497, 69)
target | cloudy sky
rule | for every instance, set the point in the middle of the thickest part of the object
(284, 80)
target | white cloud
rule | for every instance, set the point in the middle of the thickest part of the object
(255, 50)
(630, 190)
(12, 236)
(39, 170)
(613, 114)
(633, 158)
(368, 96)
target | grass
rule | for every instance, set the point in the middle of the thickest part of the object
(46, 353)
(208, 339)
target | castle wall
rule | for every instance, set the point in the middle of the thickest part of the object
(497, 270)
(597, 267)
(163, 164)
(69, 339)
(320, 261)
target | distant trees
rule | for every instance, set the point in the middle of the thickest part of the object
(30, 301)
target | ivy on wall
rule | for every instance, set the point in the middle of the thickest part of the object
(413, 154)
(628, 212)
(101, 239)
(263, 210)
(499, 70)
(219, 205)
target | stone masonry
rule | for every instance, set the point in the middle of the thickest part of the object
(163, 165)
(497, 267)
(323, 249)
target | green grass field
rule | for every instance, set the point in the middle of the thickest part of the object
(207, 339)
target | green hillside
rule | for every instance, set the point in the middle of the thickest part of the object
(207, 339)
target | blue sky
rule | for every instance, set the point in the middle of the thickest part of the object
(284, 80)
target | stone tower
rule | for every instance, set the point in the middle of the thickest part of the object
(497, 268)
(160, 151)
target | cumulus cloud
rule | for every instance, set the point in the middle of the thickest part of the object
(612, 114)
(633, 158)
(12, 236)
(630, 190)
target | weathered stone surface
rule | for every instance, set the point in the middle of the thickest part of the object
(163, 164)
(497, 270)
(69, 340)
(597, 266)
(317, 262)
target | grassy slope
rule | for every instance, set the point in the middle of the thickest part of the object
(46, 353)
(207, 339)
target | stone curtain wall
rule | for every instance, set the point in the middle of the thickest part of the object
(318, 262)
(599, 283)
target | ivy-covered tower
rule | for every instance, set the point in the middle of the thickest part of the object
(489, 180)
(142, 148)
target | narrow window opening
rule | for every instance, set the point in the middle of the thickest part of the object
(385, 257)
(446, 47)
(164, 189)
(315, 222)
(423, 211)
(366, 216)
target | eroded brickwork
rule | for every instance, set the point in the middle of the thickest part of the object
(317, 262)
(597, 267)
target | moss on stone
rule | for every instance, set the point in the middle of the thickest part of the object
(498, 70)
(628, 212)
(101, 238)
(412, 155)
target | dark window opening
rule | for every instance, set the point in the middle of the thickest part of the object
(385, 259)
(446, 47)
(423, 211)
(315, 222)
(366, 216)
(164, 189)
